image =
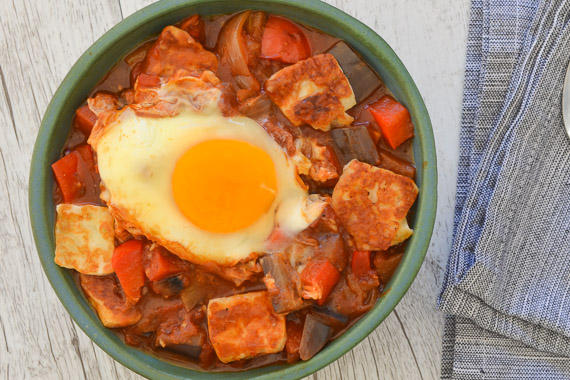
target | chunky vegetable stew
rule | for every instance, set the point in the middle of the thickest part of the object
(235, 192)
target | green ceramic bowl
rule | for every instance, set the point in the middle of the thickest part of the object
(104, 53)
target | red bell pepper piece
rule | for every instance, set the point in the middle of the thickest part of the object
(65, 172)
(85, 119)
(277, 241)
(75, 175)
(127, 262)
(294, 334)
(393, 119)
(162, 265)
(320, 277)
(360, 263)
(284, 41)
(86, 154)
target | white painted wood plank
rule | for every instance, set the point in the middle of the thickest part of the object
(39, 43)
(40, 40)
(131, 6)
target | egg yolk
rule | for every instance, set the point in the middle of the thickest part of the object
(224, 186)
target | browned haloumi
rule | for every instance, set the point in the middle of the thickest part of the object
(314, 91)
(244, 326)
(84, 238)
(106, 296)
(174, 50)
(372, 204)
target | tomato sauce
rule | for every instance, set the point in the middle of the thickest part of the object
(163, 301)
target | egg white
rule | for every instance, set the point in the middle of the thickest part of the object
(136, 159)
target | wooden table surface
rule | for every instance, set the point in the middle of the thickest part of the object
(39, 42)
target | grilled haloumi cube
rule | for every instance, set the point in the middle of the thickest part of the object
(106, 296)
(245, 325)
(372, 204)
(84, 238)
(314, 91)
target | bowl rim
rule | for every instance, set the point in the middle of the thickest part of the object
(152, 367)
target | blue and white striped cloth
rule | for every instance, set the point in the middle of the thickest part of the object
(507, 286)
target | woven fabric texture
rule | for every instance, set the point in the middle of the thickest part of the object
(507, 285)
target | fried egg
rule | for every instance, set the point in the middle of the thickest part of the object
(205, 186)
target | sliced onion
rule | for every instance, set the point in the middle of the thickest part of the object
(233, 51)
(257, 108)
(255, 25)
(191, 297)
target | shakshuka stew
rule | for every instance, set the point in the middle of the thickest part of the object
(235, 192)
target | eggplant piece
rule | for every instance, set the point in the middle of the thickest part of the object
(362, 78)
(315, 335)
(176, 283)
(329, 317)
(396, 164)
(179, 333)
(186, 350)
(171, 286)
(192, 296)
(331, 248)
(283, 284)
(386, 263)
(354, 143)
